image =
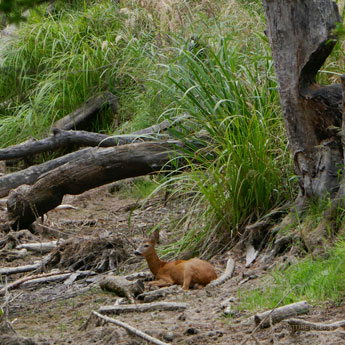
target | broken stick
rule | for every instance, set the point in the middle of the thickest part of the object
(281, 313)
(118, 309)
(131, 329)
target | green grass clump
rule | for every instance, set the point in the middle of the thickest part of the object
(316, 281)
(228, 96)
(58, 62)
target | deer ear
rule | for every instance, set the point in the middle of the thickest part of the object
(155, 236)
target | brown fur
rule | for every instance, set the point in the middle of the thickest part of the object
(187, 273)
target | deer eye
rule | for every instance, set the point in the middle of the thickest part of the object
(146, 245)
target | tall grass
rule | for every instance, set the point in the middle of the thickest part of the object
(230, 97)
(56, 63)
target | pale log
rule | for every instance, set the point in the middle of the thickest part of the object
(303, 325)
(267, 318)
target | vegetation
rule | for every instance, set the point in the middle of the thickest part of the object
(316, 281)
(204, 65)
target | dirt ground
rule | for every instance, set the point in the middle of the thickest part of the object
(55, 313)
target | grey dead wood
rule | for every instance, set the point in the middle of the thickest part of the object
(59, 139)
(155, 294)
(95, 167)
(62, 138)
(39, 247)
(301, 36)
(122, 287)
(88, 110)
(230, 267)
(131, 329)
(303, 325)
(269, 317)
(163, 306)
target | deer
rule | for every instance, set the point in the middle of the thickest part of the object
(188, 273)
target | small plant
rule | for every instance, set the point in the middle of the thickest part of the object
(314, 280)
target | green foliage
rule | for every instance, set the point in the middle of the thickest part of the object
(228, 96)
(58, 62)
(314, 280)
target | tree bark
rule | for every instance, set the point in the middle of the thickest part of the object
(93, 168)
(62, 138)
(301, 37)
(59, 139)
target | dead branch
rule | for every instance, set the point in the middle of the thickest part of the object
(95, 168)
(26, 268)
(88, 110)
(119, 309)
(139, 275)
(303, 325)
(131, 329)
(42, 247)
(155, 294)
(230, 266)
(61, 138)
(42, 278)
(281, 313)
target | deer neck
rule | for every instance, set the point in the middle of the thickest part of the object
(154, 262)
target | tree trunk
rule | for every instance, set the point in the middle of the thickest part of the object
(301, 37)
(94, 168)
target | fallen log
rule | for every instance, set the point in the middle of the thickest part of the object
(93, 169)
(303, 325)
(62, 138)
(88, 110)
(267, 318)
(141, 308)
(130, 329)
(31, 174)
(122, 287)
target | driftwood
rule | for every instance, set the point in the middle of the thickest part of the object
(303, 325)
(131, 329)
(281, 313)
(155, 294)
(95, 168)
(120, 309)
(89, 109)
(122, 287)
(26, 268)
(139, 275)
(230, 266)
(62, 138)
(43, 247)
(42, 278)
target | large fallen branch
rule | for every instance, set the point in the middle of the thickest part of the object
(94, 168)
(131, 329)
(89, 109)
(130, 308)
(62, 138)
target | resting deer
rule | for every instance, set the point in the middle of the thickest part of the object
(187, 273)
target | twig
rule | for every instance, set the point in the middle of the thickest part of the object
(131, 329)
(230, 266)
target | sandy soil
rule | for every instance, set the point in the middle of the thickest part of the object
(55, 313)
